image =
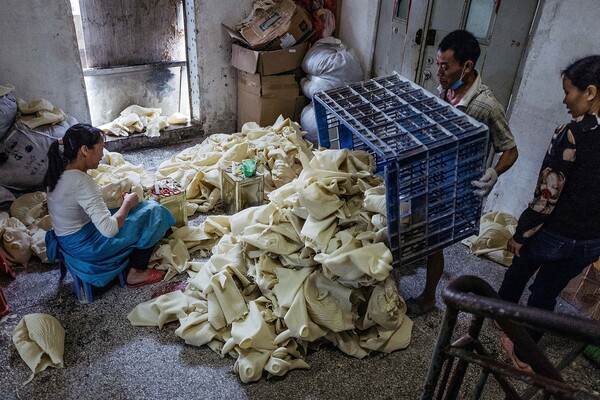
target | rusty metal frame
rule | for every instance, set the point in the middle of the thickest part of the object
(473, 295)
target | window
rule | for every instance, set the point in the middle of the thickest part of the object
(402, 8)
(480, 18)
(132, 52)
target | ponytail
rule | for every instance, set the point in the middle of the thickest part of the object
(56, 166)
(76, 136)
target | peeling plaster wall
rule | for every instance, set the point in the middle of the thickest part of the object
(358, 29)
(40, 56)
(562, 34)
(218, 79)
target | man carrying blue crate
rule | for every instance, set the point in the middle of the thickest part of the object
(461, 86)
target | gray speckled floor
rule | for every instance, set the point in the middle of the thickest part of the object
(107, 358)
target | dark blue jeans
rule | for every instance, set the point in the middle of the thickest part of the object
(556, 259)
(139, 258)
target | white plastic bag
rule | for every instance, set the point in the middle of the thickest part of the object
(308, 122)
(329, 64)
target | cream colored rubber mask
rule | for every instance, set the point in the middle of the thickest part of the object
(495, 230)
(40, 341)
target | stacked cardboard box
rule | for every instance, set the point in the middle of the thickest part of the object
(266, 53)
(263, 98)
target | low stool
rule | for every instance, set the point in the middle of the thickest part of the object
(83, 290)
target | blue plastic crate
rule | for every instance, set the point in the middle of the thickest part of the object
(427, 151)
(415, 96)
(429, 104)
(441, 115)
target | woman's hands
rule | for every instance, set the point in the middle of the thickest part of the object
(131, 199)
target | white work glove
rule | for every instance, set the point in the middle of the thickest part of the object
(485, 183)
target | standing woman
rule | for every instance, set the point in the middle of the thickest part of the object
(96, 243)
(558, 235)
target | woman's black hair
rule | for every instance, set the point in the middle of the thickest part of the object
(584, 72)
(76, 136)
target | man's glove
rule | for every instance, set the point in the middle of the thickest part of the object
(486, 182)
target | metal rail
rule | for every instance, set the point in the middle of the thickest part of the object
(473, 295)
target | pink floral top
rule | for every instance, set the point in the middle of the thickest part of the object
(567, 195)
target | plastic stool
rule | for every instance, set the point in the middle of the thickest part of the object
(83, 290)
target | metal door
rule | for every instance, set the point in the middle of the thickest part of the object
(399, 34)
(409, 47)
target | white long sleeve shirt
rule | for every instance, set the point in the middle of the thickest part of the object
(75, 201)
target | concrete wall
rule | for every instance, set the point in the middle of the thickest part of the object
(40, 57)
(358, 29)
(217, 78)
(562, 34)
(39, 54)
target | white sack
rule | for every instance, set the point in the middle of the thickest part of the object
(329, 64)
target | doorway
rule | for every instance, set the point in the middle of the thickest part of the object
(407, 41)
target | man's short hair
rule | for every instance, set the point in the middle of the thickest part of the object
(464, 45)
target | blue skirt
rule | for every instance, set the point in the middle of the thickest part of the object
(97, 259)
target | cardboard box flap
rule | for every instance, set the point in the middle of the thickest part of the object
(282, 60)
(244, 59)
(299, 29)
(235, 35)
(268, 62)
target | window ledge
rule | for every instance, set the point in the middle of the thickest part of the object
(132, 68)
(168, 136)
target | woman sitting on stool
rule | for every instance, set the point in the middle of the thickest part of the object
(96, 243)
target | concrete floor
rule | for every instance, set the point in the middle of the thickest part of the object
(106, 357)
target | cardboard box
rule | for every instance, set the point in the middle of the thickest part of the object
(278, 27)
(281, 86)
(262, 99)
(268, 62)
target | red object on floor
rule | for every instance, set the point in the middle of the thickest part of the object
(5, 267)
(170, 287)
(153, 277)
(4, 307)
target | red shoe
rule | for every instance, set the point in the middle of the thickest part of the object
(153, 277)
(509, 347)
